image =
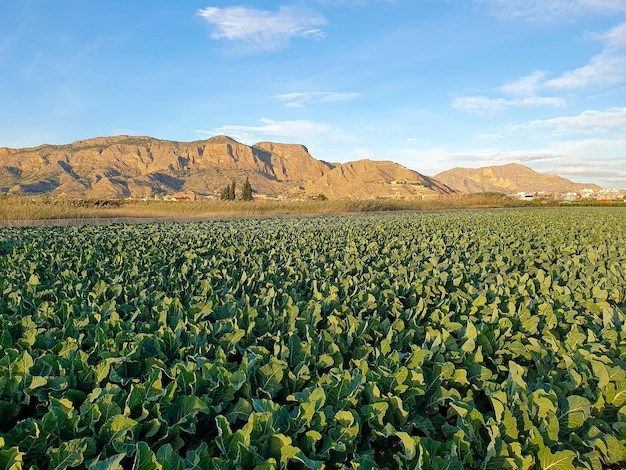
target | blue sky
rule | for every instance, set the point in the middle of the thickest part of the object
(430, 84)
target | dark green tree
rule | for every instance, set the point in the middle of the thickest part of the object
(228, 193)
(224, 193)
(246, 191)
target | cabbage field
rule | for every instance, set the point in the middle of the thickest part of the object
(448, 340)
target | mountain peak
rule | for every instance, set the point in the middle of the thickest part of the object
(509, 179)
(375, 178)
(222, 139)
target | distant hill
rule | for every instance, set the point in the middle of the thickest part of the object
(508, 179)
(367, 178)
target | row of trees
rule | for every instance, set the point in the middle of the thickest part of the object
(228, 193)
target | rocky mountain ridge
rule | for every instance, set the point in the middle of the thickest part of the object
(509, 179)
(367, 178)
(144, 167)
(127, 166)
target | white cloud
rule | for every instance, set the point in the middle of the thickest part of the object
(486, 105)
(615, 38)
(597, 160)
(604, 69)
(525, 86)
(264, 30)
(587, 168)
(302, 131)
(339, 3)
(587, 122)
(479, 104)
(552, 10)
(590, 161)
(298, 100)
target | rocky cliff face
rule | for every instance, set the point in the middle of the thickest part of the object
(143, 166)
(367, 178)
(292, 162)
(508, 179)
(127, 166)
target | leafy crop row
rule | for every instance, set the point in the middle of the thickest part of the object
(491, 339)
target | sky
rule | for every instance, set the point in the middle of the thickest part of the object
(429, 84)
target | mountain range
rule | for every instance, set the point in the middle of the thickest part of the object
(141, 167)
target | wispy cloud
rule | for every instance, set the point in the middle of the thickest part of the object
(614, 38)
(352, 2)
(302, 131)
(486, 105)
(299, 100)
(585, 123)
(572, 160)
(606, 69)
(262, 30)
(526, 86)
(552, 10)
(591, 160)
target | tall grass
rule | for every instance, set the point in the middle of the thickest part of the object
(38, 208)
